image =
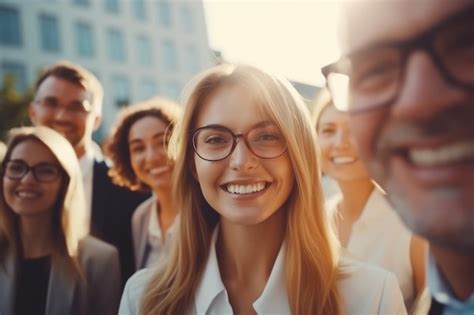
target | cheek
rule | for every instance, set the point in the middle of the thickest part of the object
(363, 134)
(8, 188)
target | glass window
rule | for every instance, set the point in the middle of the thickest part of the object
(168, 55)
(112, 6)
(187, 19)
(144, 51)
(84, 40)
(191, 59)
(49, 33)
(115, 45)
(16, 72)
(10, 33)
(121, 90)
(139, 10)
(82, 3)
(148, 89)
(164, 13)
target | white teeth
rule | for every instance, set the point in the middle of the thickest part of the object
(443, 155)
(343, 159)
(245, 189)
(27, 194)
(158, 170)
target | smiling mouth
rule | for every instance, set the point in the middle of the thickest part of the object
(343, 159)
(245, 189)
(158, 170)
(27, 194)
(449, 154)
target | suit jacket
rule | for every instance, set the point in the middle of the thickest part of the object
(66, 294)
(112, 209)
(425, 304)
(140, 223)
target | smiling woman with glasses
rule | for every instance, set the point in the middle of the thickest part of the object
(48, 264)
(253, 236)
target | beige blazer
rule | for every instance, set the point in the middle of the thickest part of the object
(66, 295)
(140, 223)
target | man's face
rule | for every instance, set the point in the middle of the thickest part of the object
(65, 107)
(420, 148)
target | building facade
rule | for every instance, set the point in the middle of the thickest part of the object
(137, 48)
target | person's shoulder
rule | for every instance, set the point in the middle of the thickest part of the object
(140, 279)
(133, 293)
(91, 247)
(368, 289)
(144, 207)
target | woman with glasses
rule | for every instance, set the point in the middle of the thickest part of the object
(137, 149)
(253, 236)
(48, 264)
(367, 226)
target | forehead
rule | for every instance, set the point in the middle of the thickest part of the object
(368, 22)
(32, 151)
(232, 106)
(146, 127)
(331, 115)
(62, 89)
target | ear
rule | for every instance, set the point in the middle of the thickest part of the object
(97, 122)
(32, 113)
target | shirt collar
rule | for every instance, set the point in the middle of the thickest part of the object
(274, 299)
(441, 291)
(373, 209)
(86, 162)
(155, 234)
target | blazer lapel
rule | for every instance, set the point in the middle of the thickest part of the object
(7, 284)
(99, 195)
(61, 288)
(142, 249)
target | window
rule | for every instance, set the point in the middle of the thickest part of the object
(187, 19)
(139, 9)
(168, 55)
(144, 51)
(82, 3)
(148, 89)
(121, 90)
(16, 72)
(84, 40)
(191, 59)
(164, 13)
(112, 6)
(115, 45)
(49, 33)
(9, 27)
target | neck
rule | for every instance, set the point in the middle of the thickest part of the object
(166, 209)
(36, 236)
(247, 253)
(355, 194)
(456, 267)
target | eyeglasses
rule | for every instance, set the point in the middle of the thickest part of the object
(51, 104)
(215, 142)
(43, 172)
(372, 77)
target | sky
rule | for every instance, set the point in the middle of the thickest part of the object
(293, 38)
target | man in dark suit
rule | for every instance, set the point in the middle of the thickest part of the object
(407, 80)
(68, 98)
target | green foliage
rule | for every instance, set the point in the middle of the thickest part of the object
(13, 106)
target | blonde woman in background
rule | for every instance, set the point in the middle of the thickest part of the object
(253, 236)
(367, 226)
(138, 150)
(48, 264)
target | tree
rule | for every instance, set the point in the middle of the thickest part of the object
(13, 106)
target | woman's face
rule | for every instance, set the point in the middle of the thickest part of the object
(243, 188)
(339, 157)
(34, 193)
(147, 147)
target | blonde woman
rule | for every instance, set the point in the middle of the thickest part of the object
(368, 227)
(253, 237)
(48, 264)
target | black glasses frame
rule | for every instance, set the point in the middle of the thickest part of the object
(33, 169)
(424, 41)
(235, 137)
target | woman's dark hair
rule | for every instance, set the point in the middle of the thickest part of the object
(116, 147)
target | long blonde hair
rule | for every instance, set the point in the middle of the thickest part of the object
(312, 247)
(68, 220)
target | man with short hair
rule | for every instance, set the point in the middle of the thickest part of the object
(407, 80)
(68, 99)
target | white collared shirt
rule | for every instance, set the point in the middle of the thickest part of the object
(86, 162)
(440, 291)
(159, 247)
(212, 299)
